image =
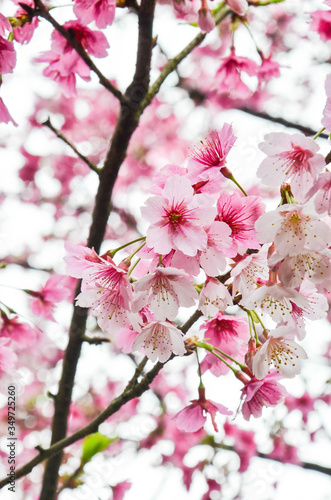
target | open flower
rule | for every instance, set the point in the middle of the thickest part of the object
(164, 291)
(290, 158)
(178, 218)
(160, 339)
(259, 393)
(280, 351)
(192, 417)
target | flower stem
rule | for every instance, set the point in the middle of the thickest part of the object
(113, 252)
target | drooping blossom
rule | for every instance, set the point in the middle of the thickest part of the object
(281, 352)
(107, 290)
(193, 417)
(24, 25)
(227, 333)
(4, 25)
(7, 56)
(290, 158)
(326, 121)
(178, 218)
(228, 76)
(275, 300)
(304, 403)
(205, 18)
(100, 11)
(310, 265)
(94, 42)
(211, 155)
(240, 213)
(238, 6)
(164, 290)
(214, 297)
(44, 300)
(79, 259)
(256, 394)
(321, 22)
(293, 228)
(249, 271)
(15, 331)
(5, 116)
(212, 259)
(267, 70)
(160, 339)
(322, 191)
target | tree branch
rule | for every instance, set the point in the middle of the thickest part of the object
(59, 134)
(42, 11)
(131, 391)
(127, 122)
(281, 121)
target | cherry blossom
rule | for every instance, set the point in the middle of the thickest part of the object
(178, 218)
(79, 259)
(205, 18)
(5, 116)
(16, 331)
(214, 297)
(290, 158)
(249, 271)
(276, 300)
(293, 228)
(280, 351)
(7, 357)
(44, 300)
(7, 56)
(94, 42)
(240, 213)
(238, 6)
(4, 25)
(321, 22)
(260, 393)
(160, 339)
(192, 417)
(164, 290)
(212, 260)
(100, 11)
(322, 191)
(229, 75)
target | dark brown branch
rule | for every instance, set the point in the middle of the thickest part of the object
(42, 11)
(59, 134)
(126, 124)
(277, 119)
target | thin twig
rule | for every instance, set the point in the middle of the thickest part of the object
(175, 61)
(42, 11)
(59, 134)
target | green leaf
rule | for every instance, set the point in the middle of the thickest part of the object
(93, 444)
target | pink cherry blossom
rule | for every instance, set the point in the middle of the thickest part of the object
(260, 393)
(304, 403)
(7, 56)
(290, 158)
(293, 228)
(79, 259)
(160, 339)
(212, 154)
(280, 351)
(205, 18)
(267, 70)
(321, 22)
(322, 191)
(243, 443)
(212, 259)
(249, 271)
(5, 116)
(14, 330)
(214, 297)
(7, 357)
(228, 75)
(100, 11)
(227, 333)
(326, 121)
(164, 290)
(178, 218)
(238, 6)
(107, 290)
(94, 42)
(276, 300)
(292, 270)
(240, 213)
(4, 25)
(192, 417)
(44, 300)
